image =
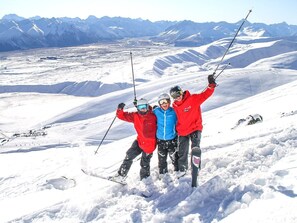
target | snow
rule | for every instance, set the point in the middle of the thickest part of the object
(35, 31)
(248, 173)
(13, 32)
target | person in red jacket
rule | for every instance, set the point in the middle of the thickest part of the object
(145, 124)
(189, 120)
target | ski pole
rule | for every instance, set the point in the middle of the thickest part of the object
(133, 76)
(222, 70)
(231, 43)
(105, 134)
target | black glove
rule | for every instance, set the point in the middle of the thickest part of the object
(211, 79)
(121, 105)
(135, 102)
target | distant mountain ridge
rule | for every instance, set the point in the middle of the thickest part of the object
(18, 33)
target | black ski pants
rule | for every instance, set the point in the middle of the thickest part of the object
(165, 148)
(183, 148)
(131, 154)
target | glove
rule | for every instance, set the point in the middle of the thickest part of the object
(135, 102)
(211, 79)
(121, 106)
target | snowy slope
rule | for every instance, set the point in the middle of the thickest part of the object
(248, 173)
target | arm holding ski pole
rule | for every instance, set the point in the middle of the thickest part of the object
(208, 91)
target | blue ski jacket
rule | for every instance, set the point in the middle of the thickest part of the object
(166, 122)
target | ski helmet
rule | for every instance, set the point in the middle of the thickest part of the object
(142, 104)
(175, 92)
(163, 97)
(142, 101)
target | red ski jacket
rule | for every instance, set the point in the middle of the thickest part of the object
(145, 126)
(188, 111)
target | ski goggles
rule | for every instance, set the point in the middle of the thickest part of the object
(164, 101)
(144, 106)
(176, 94)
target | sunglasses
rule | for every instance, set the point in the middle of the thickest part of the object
(163, 101)
(139, 107)
(176, 94)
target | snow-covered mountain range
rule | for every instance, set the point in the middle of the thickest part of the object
(22, 33)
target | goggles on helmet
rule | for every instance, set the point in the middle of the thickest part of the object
(176, 94)
(143, 106)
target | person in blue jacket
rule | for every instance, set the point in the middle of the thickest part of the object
(166, 133)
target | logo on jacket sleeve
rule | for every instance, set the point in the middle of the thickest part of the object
(187, 109)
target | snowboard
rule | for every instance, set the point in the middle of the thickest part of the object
(89, 173)
(195, 163)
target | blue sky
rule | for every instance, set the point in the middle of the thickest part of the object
(264, 11)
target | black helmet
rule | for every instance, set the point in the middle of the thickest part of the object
(175, 92)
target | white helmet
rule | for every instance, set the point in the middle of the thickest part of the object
(142, 104)
(142, 101)
(163, 96)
